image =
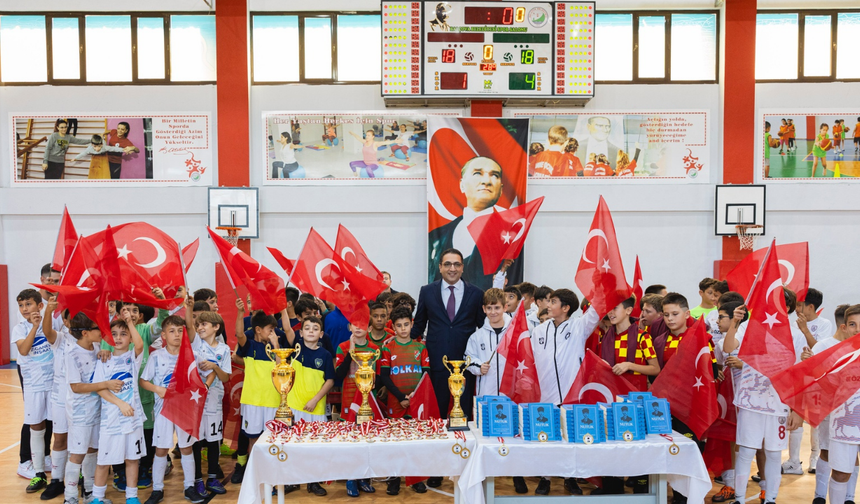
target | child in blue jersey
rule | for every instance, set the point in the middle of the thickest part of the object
(121, 426)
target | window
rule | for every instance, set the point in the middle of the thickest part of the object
(150, 48)
(108, 48)
(652, 47)
(192, 48)
(318, 45)
(847, 28)
(694, 53)
(359, 38)
(776, 43)
(613, 41)
(65, 45)
(275, 53)
(23, 66)
(816, 46)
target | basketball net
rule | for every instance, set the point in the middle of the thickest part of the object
(232, 234)
(747, 234)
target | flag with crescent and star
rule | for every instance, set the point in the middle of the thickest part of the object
(501, 235)
(519, 374)
(265, 286)
(596, 383)
(767, 344)
(232, 405)
(600, 275)
(817, 386)
(67, 238)
(423, 404)
(348, 248)
(687, 381)
(722, 433)
(186, 394)
(793, 268)
(638, 289)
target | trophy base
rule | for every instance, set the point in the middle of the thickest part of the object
(285, 416)
(458, 424)
(360, 419)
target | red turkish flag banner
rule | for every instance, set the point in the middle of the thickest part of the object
(189, 252)
(519, 374)
(600, 275)
(817, 386)
(717, 455)
(725, 426)
(232, 405)
(687, 381)
(322, 273)
(265, 286)
(793, 268)
(596, 383)
(356, 404)
(501, 235)
(350, 251)
(186, 393)
(767, 344)
(283, 262)
(638, 288)
(67, 238)
(423, 404)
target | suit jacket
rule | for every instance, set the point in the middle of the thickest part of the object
(582, 152)
(445, 337)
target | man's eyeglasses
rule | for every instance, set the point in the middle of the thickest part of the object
(456, 265)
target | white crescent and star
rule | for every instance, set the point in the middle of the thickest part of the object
(723, 406)
(195, 395)
(318, 270)
(160, 255)
(789, 268)
(592, 234)
(702, 351)
(841, 363)
(599, 388)
(349, 250)
(522, 223)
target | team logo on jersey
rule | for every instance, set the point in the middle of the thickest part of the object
(394, 357)
(166, 381)
(318, 362)
(418, 353)
(483, 346)
(41, 350)
(541, 340)
(782, 420)
(218, 357)
(127, 361)
(567, 336)
(126, 392)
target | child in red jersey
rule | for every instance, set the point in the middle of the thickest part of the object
(553, 162)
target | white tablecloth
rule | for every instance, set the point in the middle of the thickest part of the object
(308, 462)
(685, 471)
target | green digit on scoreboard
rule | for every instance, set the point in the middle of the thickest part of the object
(527, 56)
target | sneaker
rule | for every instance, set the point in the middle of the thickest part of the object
(316, 489)
(756, 478)
(543, 487)
(352, 488)
(54, 489)
(119, 482)
(819, 500)
(813, 461)
(419, 487)
(520, 486)
(572, 487)
(393, 486)
(192, 496)
(39, 481)
(132, 500)
(365, 486)
(238, 474)
(200, 488)
(71, 500)
(26, 471)
(287, 489)
(719, 479)
(144, 480)
(789, 467)
(726, 493)
(155, 497)
(761, 497)
(169, 466)
(226, 451)
(434, 482)
(214, 485)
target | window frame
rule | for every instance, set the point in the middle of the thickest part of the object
(801, 32)
(82, 48)
(302, 15)
(667, 62)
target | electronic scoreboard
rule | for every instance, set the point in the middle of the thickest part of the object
(487, 50)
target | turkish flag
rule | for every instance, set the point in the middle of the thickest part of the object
(346, 245)
(767, 345)
(519, 374)
(600, 275)
(423, 404)
(501, 235)
(687, 381)
(322, 273)
(266, 287)
(817, 386)
(189, 252)
(717, 455)
(725, 426)
(283, 262)
(638, 289)
(232, 405)
(67, 238)
(596, 383)
(186, 393)
(793, 268)
(356, 404)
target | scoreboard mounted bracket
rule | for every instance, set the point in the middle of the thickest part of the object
(522, 53)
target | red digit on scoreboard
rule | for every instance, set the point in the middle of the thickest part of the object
(508, 16)
(448, 55)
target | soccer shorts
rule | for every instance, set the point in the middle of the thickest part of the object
(307, 417)
(59, 419)
(212, 427)
(117, 448)
(824, 434)
(254, 419)
(82, 438)
(36, 406)
(842, 456)
(755, 428)
(162, 435)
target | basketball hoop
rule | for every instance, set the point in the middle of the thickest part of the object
(232, 234)
(747, 234)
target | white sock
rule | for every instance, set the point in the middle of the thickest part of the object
(728, 477)
(188, 470)
(837, 490)
(743, 462)
(773, 473)
(37, 449)
(89, 471)
(852, 485)
(822, 476)
(99, 492)
(159, 465)
(813, 443)
(130, 492)
(73, 471)
(58, 464)
(795, 437)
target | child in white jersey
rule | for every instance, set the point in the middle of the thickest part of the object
(121, 425)
(59, 450)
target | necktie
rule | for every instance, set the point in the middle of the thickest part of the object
(452, 304)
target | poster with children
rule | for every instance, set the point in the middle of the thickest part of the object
(345, 148)
(819, 145)
(126, 149)
(603, 146)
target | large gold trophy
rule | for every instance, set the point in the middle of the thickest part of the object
(457, 385)
(364, 376)
(283, 376)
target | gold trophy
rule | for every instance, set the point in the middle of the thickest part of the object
(457, 385)
(282, 376)
(364, 376)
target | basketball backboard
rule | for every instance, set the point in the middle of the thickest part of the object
(739, 204)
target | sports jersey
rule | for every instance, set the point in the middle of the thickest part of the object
(559, 351)
(61, 346)
(644, 353)
(406, 364)
(627, 171)
(700, 310)
(817, 151)
(602, 170)
(672, 342)
(313, 367)
(753, 391)
(81, 409)
(146, 332)
(481, 349)
(349, 387)
(159, 371)
(126, 368)
(258, 389)
(220, 355)
(821, 328)
(37, 367)
(767, 144)
(550, 163)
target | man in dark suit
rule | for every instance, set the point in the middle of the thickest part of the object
(597, 142)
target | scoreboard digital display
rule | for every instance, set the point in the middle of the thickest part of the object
(505, 49)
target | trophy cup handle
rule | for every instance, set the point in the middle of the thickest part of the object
(270, 354)
(468, 362)
(298, 350)
(445, 363)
